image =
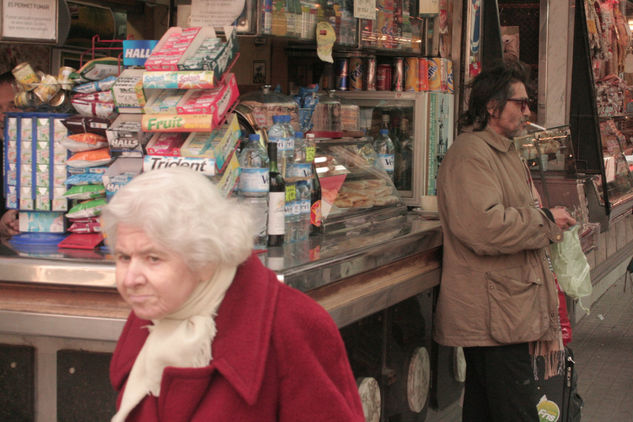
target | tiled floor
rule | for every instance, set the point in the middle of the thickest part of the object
(603, 347)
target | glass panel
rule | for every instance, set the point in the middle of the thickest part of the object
(397, 116)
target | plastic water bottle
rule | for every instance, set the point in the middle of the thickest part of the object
(254, 184)
(278, 134)
(385, 150)
(287, 151)
(302, 223)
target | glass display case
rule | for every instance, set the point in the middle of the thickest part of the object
(615, 146)
(420, 125)
(357, 193)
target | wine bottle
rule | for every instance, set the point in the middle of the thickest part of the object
(276, 200)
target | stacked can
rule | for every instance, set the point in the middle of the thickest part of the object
(370, 73)
(26, 76)
(423, 74)
(411, 78)
(356, 73)
(398, 74)
(434, 72)
(383, 77)
(341, 71)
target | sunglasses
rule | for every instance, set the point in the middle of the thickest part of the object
(524, 103)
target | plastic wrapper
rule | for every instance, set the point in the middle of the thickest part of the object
(84, 142)
(97, 69)
(87, 209)
(93, 108)
(179, 80)
(95, 86)
(92, 158)
(90, 226)
(82, 124)
(85, 192)
(84, 179)
(163, 101)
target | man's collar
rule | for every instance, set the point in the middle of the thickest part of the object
(495, 140)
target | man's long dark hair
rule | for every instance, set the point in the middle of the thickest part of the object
(494, 83)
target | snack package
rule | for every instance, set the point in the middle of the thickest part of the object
(89, 225)
(96, 86)
(87, 209)
(81, 241)
(126, 137)
(82, 124)
(120, 173)
(84, 142)
(165, 144)
(101, 96)
(97, 69)
(84, 179)
(93, 108)
(92, 158)
(86, 170)
(85, 192)
(179, 80)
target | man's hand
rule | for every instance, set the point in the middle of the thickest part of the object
(9, 224)
(562, 218)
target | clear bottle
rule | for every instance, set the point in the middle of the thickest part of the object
(276, 200)
(278, 134)
(288, 148)
(404, 158)
(386, 153)
(254, 184)
(302, 224)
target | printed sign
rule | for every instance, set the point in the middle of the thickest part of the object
(29, 19)
(365, 9)
(135, 52)
(215, 12)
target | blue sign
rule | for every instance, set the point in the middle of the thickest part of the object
(135, 52)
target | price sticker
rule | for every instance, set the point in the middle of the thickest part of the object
(291, 192)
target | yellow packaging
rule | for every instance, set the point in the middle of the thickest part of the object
(434, 72)
(177, 123)
(411, 77)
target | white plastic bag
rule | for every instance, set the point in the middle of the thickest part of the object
(571, 266)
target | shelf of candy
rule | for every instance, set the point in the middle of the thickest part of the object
(298, 19)
(355, 189)
(35, 169)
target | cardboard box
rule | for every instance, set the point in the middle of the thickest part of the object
(128, 91)
(126, 137)
(216, 102)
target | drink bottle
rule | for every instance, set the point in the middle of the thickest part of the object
(254, 184)
(384, 149)
(276, 200)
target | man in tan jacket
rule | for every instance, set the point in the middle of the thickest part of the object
(498, 297)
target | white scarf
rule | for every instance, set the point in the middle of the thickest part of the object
(182, 339)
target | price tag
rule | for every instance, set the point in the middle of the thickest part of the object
(310, 153)
(291, 192)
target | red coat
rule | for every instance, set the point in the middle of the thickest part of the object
(277, 356)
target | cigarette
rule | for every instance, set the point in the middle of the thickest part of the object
(536, 126)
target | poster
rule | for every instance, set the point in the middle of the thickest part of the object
(215, 12)
(29, 19)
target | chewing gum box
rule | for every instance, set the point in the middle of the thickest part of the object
(205, 165)
(126, 137)
(165, 144)
(177, 123)
(216, 102)
(128, 91)
(218, 144)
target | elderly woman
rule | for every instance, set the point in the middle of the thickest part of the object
(213, 336)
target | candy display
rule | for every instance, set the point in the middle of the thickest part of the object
(128, 92)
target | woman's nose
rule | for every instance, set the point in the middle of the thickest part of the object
(134, 274)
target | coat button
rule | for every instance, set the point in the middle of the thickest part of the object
(558, 237)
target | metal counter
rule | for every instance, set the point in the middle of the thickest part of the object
(34, 281)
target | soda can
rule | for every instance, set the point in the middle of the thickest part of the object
(356, 73)
(397, 75)
(447, 76)
(383, 77)
(434, 72)
(58, 99)
(423, 74)
(24, 99)
(341, 70)
(25, 75)
(47, 88)
(411, 76)
(370, 70)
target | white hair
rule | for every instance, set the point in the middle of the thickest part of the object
(185, 212)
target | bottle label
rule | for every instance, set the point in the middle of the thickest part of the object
(303, 170)
(387, 162)
(310, 152)
(254, 180)
(276, 205)
(305, 206)
(285, 144)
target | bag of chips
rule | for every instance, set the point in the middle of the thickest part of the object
(84, 142)
(92, 158)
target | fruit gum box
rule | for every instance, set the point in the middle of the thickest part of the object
(177, 123)
(185, 79)
(211, 53)
(128, 91)
(125, 136)
(215, 102)
(226, 183)
(219, 144)
(165, 144)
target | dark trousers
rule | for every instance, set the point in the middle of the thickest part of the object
(500, 385)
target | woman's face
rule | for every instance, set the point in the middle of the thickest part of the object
(153, 280)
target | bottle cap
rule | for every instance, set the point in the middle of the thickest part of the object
(278, 119)
(299, 134)
(253, 137)
(384, 131)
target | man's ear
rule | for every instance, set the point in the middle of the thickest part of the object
(491, 107)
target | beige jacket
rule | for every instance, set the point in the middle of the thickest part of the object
(496, 286)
